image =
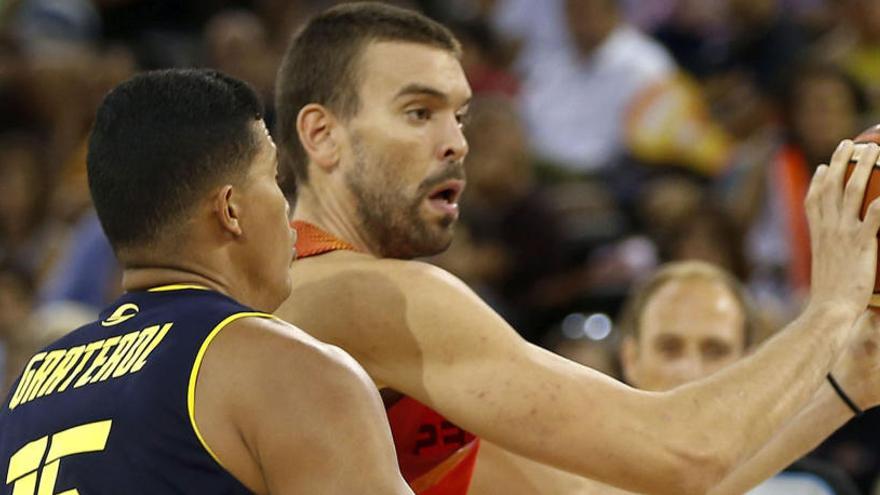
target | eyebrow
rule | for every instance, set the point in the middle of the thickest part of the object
(425, 90)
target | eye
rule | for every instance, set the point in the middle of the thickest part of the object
(463, 119)
(669, 347)
(715, 350)
(419, 114)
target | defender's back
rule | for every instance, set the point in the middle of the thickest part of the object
(109, 407)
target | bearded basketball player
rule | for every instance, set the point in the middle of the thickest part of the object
(370, 101)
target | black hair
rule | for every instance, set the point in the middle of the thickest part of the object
(160, 141)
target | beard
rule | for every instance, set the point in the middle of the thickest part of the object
(390, 217)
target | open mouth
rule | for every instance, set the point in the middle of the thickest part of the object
(445, 196)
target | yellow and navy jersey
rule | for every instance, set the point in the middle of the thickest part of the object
(108, 409)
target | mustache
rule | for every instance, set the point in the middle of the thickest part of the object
(455, 170)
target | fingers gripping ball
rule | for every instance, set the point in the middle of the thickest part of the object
(872, 190)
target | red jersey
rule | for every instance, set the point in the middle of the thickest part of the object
(436, 457)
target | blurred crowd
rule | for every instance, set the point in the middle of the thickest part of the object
(607, 137)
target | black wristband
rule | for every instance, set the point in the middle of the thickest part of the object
(845, 398)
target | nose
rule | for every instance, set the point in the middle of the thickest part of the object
(688, 369)
(454, 146)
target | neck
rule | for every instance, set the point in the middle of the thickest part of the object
(142, 278)
(147, 277)
(334, 216)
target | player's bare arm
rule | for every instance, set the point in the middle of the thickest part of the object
(440, 344)
(856, 370)
(287, 414)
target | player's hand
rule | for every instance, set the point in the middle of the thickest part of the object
(844, 248)
(858, 367)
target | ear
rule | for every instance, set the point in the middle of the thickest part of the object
(629, 360)
(227, 208)
(316, 127)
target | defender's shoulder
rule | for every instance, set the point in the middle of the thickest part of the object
(274, 350)
(280, 337)
(408, 274)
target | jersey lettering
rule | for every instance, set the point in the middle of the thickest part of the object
(26, 465)
(431, 435)
(54, 372)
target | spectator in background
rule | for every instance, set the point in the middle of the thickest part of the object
(689, 320)
(581, 64)
(24, 199)
(750, 115)
(284, 17)
(664, 202)
(854, 44)
(694, 32)
(686, 321)
(238, 44)
(59, 91)
(705, 233)
(822, 106)
(765, 40)
(485, 59)
(61, 94)
(55, 94)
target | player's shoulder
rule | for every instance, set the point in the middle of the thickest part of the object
(267, 375)
(371, 307)
(276, 347)
(407, 275)
(281, 337)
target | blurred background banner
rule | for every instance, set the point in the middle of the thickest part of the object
(608, 137)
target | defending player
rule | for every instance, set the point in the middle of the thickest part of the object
(370, 101)
(185, 384)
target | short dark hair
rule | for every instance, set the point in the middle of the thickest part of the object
(321, 63)
(160, 141)
(630, 320)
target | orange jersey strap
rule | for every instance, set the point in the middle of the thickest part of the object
(311, 240)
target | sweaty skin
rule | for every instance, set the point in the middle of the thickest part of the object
(418, 330)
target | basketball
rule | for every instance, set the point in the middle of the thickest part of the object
(870, 135)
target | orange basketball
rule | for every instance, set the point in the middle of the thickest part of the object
(871, 135)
